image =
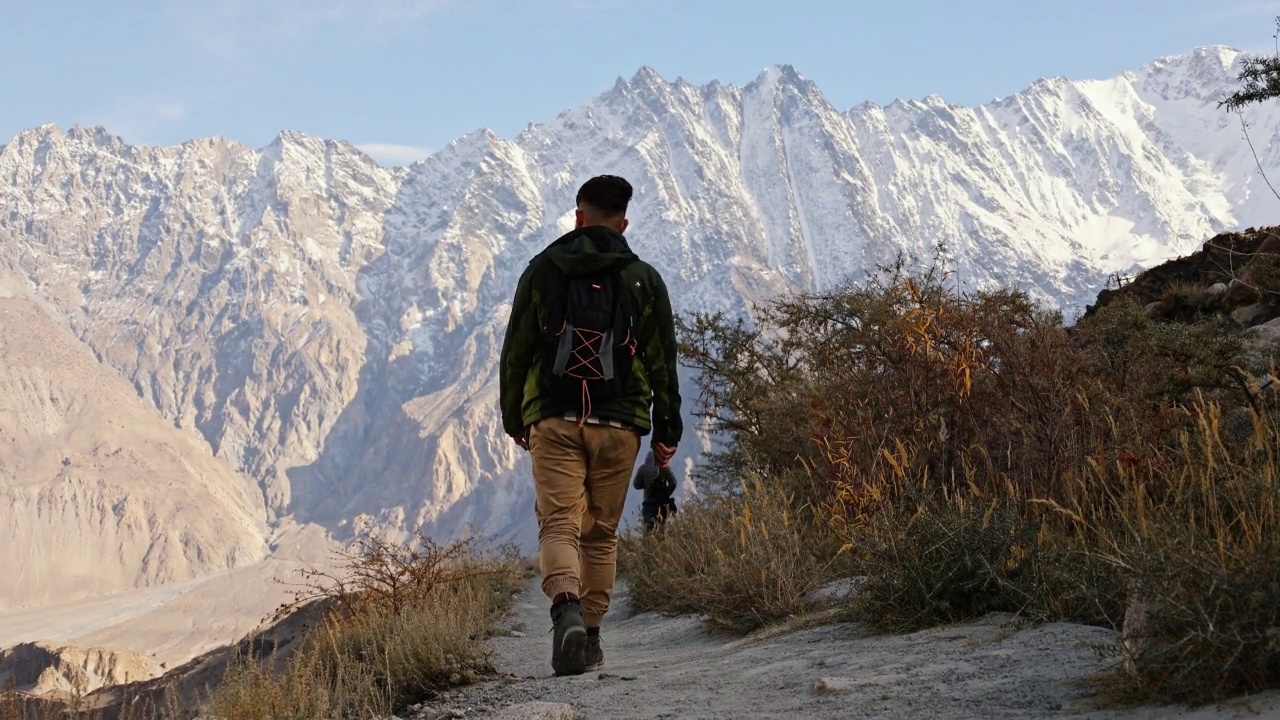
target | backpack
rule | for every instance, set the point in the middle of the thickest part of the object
(589, 339)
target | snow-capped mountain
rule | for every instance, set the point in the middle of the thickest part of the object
(331, 327)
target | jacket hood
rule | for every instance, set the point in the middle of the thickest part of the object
(590, 250)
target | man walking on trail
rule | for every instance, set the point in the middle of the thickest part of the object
(590, 344)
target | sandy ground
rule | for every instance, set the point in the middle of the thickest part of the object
(658, 667)
(176, 622)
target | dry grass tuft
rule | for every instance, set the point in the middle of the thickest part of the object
(399, 624)
(406, 622)
(1197, 531)
(743, 561)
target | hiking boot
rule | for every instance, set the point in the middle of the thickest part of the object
(569, 639)
(595, 653)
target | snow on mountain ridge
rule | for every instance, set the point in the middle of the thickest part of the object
(332, 326)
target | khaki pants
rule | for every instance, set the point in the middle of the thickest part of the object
(582, 476)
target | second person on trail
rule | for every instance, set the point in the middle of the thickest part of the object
(590, 345)
(659, 487)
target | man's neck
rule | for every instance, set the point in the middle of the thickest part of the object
(616, 227)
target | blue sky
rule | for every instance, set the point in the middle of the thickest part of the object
(403, 76)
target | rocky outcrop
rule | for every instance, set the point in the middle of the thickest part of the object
(48, 670)
(1233, 274)
(109, 684)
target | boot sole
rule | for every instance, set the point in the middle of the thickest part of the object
(573, 649)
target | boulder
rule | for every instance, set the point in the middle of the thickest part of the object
(1250, 315)
(1266, 334)
(1133, 633)
(836, 593)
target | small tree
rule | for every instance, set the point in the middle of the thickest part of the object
(1259, 80)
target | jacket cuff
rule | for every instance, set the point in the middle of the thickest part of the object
(665, 437)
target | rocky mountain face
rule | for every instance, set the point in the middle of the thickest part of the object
(67, 672)
(330, 328)
(99, 493)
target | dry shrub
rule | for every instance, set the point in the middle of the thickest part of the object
(1264, 274)
(742, 561)
(971, 454)
(1187, 301)
(958, 559)
(378, 576)
(831, 382)
(1066, 416)
(306, 688)
(1199, 537)
(1185, 291)
(406, 622)
(1078, 419)
(16, 706)
(365, 666)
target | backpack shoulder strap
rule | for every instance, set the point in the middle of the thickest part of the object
(554, 298)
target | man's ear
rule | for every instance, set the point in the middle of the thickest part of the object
(625, 224)
(577, 220)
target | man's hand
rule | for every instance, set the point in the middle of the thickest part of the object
(662, 454)
(522, 439)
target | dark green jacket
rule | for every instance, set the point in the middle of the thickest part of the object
(653, 379)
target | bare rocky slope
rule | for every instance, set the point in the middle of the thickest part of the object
(99, 494)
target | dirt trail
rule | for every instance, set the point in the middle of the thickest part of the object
(659, 667)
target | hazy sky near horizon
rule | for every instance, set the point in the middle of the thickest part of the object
(401, 77)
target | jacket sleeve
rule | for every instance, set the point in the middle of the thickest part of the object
(518, 349)
(661, 362)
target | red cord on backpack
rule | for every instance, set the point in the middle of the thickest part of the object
(582, 355)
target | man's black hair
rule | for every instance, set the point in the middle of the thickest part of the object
(607, 194)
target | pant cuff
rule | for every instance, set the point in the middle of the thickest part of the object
(592, 620)
(556, 585)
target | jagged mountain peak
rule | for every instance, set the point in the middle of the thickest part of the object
(295, 143)
(647, 75)
(1204, 75)
(53, 135)
(786, 72)
(290, 141)
(1217, 57)
(470, 150)
(44, 131)
(646, 86)
(782, 78)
